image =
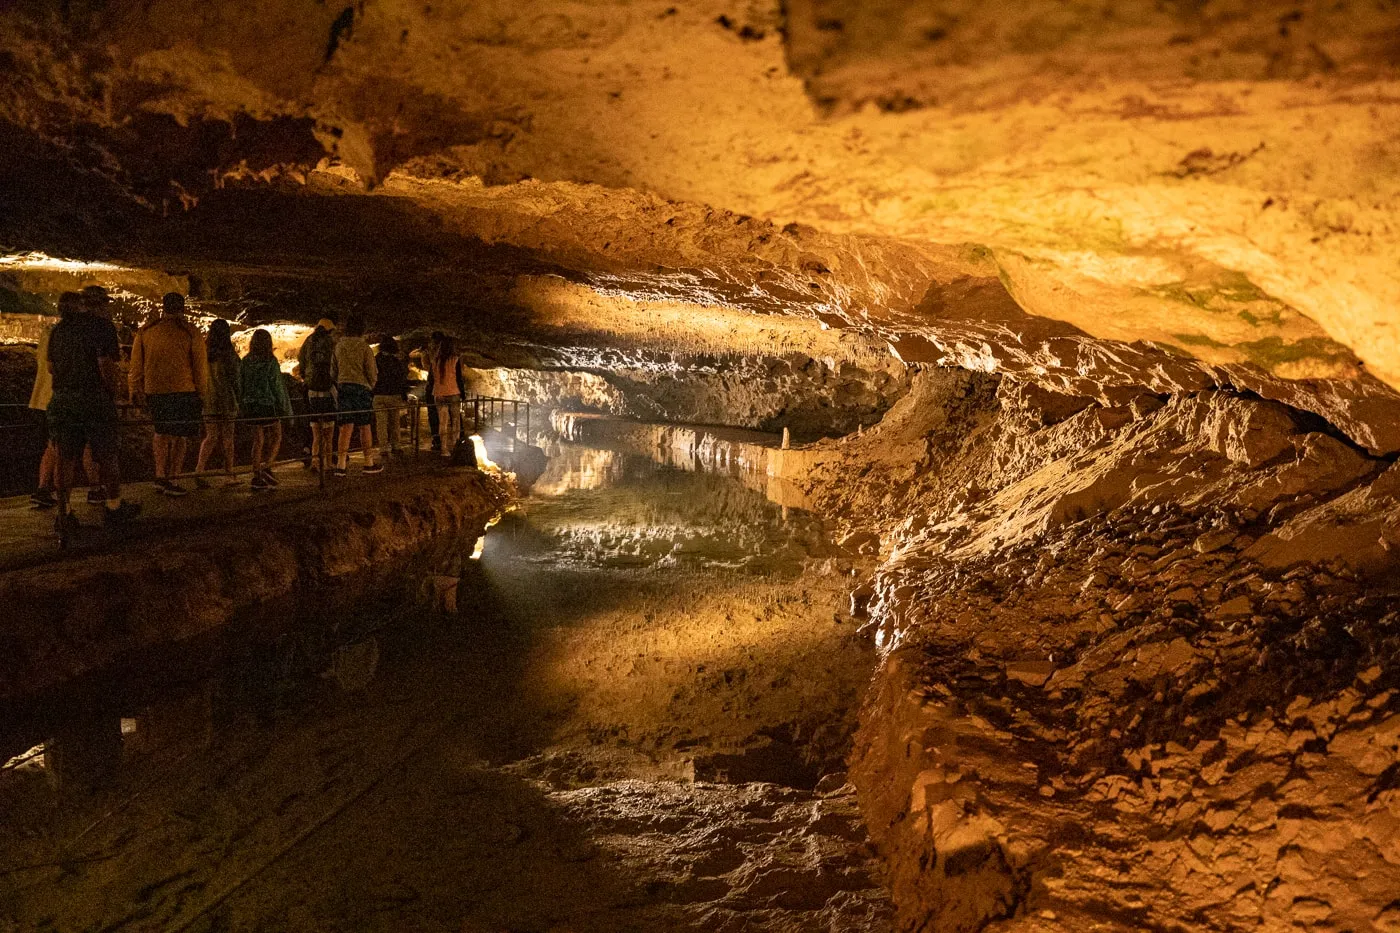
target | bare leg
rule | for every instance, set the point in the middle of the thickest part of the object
(274, 445)
(367, 443)
(445, 421)
(48, 467)
(67, 472)
(226, 441)
(90, 469)
(160, 448)
(180, 448)
(342, 446)
(206, 448)
(110, 471)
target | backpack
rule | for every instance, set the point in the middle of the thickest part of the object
(320, 354)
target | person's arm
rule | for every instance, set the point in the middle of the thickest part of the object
(236, 380)
(107, 358)
(240, 382)
(136, 376)
(371, 368)
(199, 362)
(284, 401)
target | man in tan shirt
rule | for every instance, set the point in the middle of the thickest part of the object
(169, 371)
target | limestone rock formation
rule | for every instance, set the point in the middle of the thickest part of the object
(1210, 180)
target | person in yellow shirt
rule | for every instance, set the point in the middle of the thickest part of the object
(169, 373)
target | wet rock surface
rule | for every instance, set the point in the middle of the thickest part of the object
(1138, 664)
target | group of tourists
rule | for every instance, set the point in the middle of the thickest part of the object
(189, 381)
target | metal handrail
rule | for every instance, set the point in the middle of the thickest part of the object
(493, 408)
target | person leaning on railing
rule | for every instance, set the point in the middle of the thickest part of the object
(264, 402)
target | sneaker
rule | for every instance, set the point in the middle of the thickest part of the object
(43, 499)
(96, 497)
(202, 483)
(121, 514)
(174, 490)
(340, 471)
(259, 482)
(377, 467)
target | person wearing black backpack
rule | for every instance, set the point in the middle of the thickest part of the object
(317, 360)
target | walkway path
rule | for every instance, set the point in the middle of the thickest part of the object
(27, 534)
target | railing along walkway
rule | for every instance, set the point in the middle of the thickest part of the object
(27, 535)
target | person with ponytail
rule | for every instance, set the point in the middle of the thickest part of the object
(220, 403)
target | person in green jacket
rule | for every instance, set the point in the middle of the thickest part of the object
(263, 398)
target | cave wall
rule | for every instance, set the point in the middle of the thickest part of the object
(1215, 179)
(1137, 659)
(811, 397)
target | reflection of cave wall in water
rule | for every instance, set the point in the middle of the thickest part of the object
(811, 397)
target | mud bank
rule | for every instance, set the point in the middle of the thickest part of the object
(73, 617)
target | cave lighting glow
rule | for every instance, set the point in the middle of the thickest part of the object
(286, 340)
(483, 460)
(34, 758)
(47, 263)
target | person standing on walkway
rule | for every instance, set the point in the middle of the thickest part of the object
(220, 403)
(39, 398)
(263, 398)
(316, 358)
(82, 361)
(447, 391)
(169, 369)
(356, 374)
(390, 394)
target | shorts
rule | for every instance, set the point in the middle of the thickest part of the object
(260, 416)
(320, 404)
(78, 421)
(176, 414)
(356, 404)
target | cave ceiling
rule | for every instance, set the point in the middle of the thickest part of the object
(1160, 193)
